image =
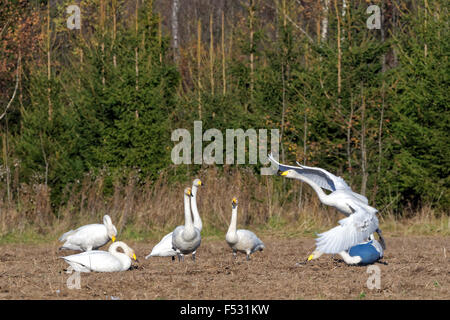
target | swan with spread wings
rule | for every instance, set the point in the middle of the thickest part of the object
(361, 221)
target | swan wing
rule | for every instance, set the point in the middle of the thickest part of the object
(351, 231)
(323, 177)
(94, 235)
(250, 240)
(163, 248)
(319, 176)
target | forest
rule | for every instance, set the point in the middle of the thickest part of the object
(87, 113)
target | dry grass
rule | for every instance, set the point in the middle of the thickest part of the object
(151, 208)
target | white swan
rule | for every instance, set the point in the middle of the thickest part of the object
(186, 239)
(103, 261)
(89, 237)
(241, 240)
(341, 197)
(361, 219)
(164, 247)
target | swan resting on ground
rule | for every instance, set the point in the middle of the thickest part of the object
(89, 237)
(241, 240)
(186, 238)
(164, 247)
(361, 221)
(103, 261)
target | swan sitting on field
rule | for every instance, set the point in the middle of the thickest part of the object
(186, 238)
(103, 261)
(241, 240)
(164, 247)
(89, 237)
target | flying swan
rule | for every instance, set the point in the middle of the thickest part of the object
(103, 261)
(361, 221)
(164, 247)
(186, 239)
(241, 240)
(89, 237)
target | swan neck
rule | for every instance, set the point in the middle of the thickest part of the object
(118, 244)
(233, 222)
(187, 213)
(197, 219)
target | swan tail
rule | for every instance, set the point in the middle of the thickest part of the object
(66, 235)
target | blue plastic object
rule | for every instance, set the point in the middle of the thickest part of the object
(368, 253)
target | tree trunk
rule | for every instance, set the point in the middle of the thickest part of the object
(325, 21)
(224, 79)
(50, 106)
(363, 144)
(199, 84)
(211, 53)
(176, 50)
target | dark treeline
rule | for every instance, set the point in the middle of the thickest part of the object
(370, 105)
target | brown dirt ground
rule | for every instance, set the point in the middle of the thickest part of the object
(413, 268)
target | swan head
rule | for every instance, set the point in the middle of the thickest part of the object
(188, 192)
(197, 183)
(234, 203)
(288, 173)
(110, 228)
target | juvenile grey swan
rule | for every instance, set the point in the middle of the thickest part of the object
(103, 261)
(186, 239)
(89, 237)
(241, 240)
(164, 247)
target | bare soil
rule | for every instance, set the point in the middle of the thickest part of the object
(412, 268)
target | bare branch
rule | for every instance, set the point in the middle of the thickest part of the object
(4, 28)
(15, 89)
(300, 28)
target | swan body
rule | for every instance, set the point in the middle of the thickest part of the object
(352, 230)
(102, 261)
(89, 237)
(186, 238)
(241, 240)
(361, 220)
(164, 247)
